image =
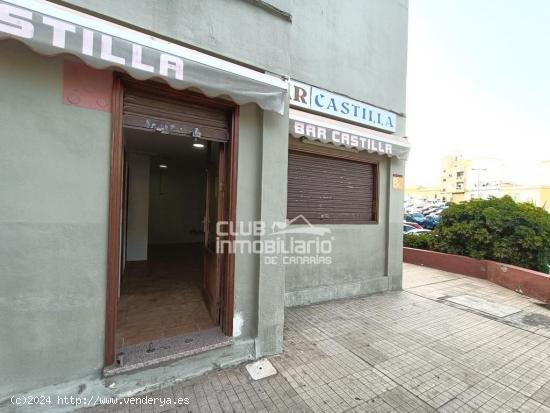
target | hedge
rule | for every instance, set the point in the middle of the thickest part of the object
(497, 229)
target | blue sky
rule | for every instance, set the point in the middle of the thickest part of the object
(478, 82)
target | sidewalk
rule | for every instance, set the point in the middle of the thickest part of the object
(447, 343)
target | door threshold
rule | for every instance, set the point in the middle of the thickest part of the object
(167, 349)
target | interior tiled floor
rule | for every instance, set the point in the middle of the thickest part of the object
(162, 298)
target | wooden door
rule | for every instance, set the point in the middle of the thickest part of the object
(214, 212)
(140, 114)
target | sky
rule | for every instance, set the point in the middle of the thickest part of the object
(478, 83)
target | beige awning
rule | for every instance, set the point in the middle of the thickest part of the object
(52, 29)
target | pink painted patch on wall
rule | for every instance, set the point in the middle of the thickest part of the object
(86, 87)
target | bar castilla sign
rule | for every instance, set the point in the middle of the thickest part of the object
(322, 101)
(348, 139)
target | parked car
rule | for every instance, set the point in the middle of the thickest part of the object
(433, 210)
(415, 217)
(417, 231)
(413, 224)
(408, 228)
(431, 221)
(427, 210)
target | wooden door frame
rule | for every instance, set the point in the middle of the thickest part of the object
(215, 175)
(120, 83)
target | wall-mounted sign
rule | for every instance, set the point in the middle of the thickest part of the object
(348, 139)
(398, 182)
(319, 100)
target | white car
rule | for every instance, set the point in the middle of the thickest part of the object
(418, 231)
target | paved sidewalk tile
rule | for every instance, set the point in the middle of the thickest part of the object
(407, 351)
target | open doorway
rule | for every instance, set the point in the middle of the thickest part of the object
(172, 285)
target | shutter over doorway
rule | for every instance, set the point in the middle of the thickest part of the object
(174, 117)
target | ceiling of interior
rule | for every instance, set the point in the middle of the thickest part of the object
(164, 147)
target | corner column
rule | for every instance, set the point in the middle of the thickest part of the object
(271, 291)
(394, 263)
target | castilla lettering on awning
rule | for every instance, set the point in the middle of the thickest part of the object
(322, 101)
(328, 131)
(52, 29)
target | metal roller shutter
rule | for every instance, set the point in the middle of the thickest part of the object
(331, 190)
(165, 115)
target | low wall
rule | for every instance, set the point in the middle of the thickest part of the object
(531, 283)
(446, 262)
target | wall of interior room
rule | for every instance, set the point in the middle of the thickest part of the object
(176, 203)
(138, 207)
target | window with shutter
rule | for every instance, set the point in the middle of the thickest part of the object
(331, 190)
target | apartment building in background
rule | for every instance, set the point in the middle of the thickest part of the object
(464, 178)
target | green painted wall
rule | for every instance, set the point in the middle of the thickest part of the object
(231, 28)
(273, 209)
(53, 226)
(54, 169)
(354, 47)
(54, 166)
(245, 318)
(358, 258)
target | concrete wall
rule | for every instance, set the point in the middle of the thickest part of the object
(231, 28)
(177, 198)
(55, 166)
(53, 226)
(355, 47)
(245, 317)
(138, 207)
(357, 267)
(365, 258)
(394, 239)
(273, 209)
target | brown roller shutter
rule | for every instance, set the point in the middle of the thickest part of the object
(165, 115)
(331, 190)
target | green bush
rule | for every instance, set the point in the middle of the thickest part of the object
(419, 241)
(496, 229)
